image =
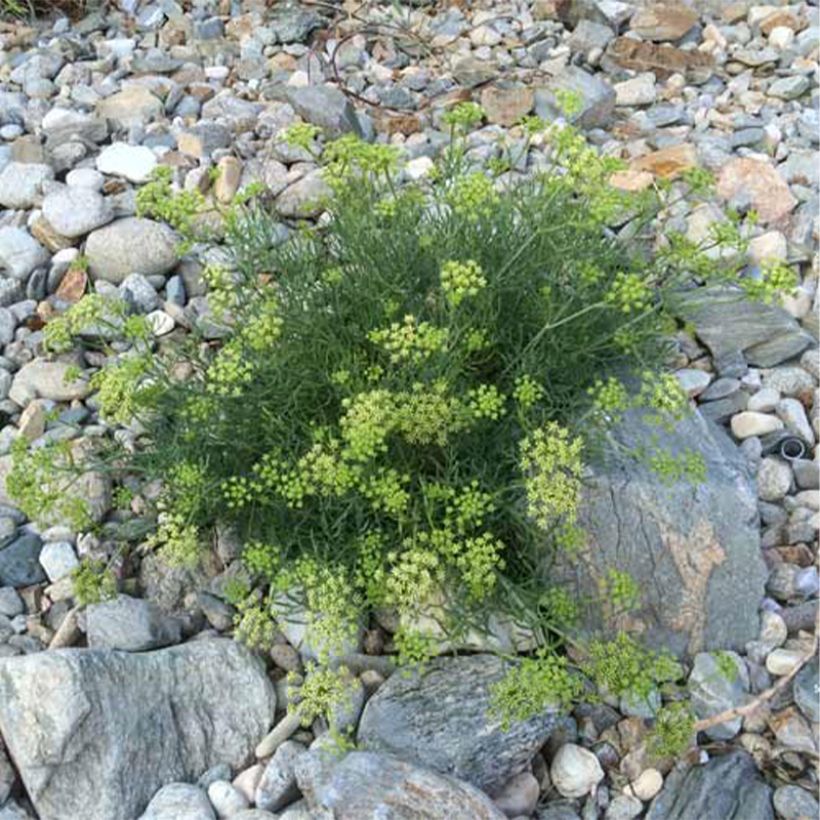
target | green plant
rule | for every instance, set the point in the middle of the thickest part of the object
(673, 730)
(92, 581)
(400, 409)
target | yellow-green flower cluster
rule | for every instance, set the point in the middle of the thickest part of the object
(486, 402)
(367, 420)
(629, 293)
(686, 466)
(464, 115)
(466, 507)
(527, 391)
(230, 371)
(177, 539)
(415, 575)
(121, 391)
(323, 693)
(665, 396)
(386, 491)
(479, 563)
(187, 486)
(410, 340)
(93, 312)
(551, 464)
(777, 279)
(609, 398)
(621, 589)
(472, 196)
(301, 135)
(222, 290)
(428, 415)
(461, 280)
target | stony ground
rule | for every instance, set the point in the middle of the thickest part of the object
(89, 108)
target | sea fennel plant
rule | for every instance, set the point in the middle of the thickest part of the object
(396, 412)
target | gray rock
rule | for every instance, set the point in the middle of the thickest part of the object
(327, 107)
(74, 212)
(21, 184)
(558, 810)
(95, 733)
(11, 603)
(131, 245)
(718, 681)
(726, 788)
(727, 322)
(806, 691)
(20, 254)
(367, 786)
(292, 24)
(179, 801)
(794, 803)
(686, 546)
(20, 562)
(42, 379)
(440, 717)
(61, 125)
(305, 198)
(597, 97)
(138, 292)
(129, 624)
(133, 162)
(789, 88)
(277, 786)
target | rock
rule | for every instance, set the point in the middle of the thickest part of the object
(793, 731)
(726, 788)
(693, 381)
(131, 245)
(588, 35)
(202, 139)
(718, 681)
(134, 105)
(325, 106)
(278, 735)
(597, 97)
(367, 786)
(58, 559)
(11, 603)
(623, 807)
(227, 800)
(228, 178)
(789, 88)
(794, 803)
(129, 624)
(519, 796)
(726, 322)
(749, 423)
(806, 691)
(746, 183)
(304, 198)
(42, 379)
(668, 163)
(646, 785)
(19, 562)
(20, 253)
(277, 786)
(663, 61)
(684, 546)
(63, 125)
(292, 24)
(663, 22)
(793, 415)
(133, 162)
(575, 771)
(781, 661)
(74, 212)
(85, 178)
(179, 801)
(774, 478)
(441, 717)
(139, 293)
(639, 90)
(21, 184)
(507, 104)
(70, 718)
(470, 72)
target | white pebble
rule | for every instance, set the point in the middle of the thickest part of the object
(226, 799)
(764, 401)
(575, 771)
(782, 661)
(58, 559)
(749, 423)
(646, 785)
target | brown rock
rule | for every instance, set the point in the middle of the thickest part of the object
(227, 181)
(668, 163)
(631, 180)
(782, 17)
(754, 183)
(134, 105)
(43, 231)
(390, 123)
(73, 285)
(507, 105)
(664, 22)
(664, 60)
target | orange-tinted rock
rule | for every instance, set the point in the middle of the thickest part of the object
(506, 106)
(668, 163)
(752, 183)
(630, 180)
(73, 285)
(664, 60)
(664, 22)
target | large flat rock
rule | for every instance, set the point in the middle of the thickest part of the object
(95, 733)
(693, 549)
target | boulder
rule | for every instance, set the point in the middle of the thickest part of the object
(325, 106)
(95, 733)
(367, 786)
(597, 97)
(440, 717)
(726, 788)
(727, 323)
(129, 624)
(694, 551)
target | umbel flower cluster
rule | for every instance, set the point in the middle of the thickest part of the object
(397, 413)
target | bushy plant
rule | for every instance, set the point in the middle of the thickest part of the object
(401, 403)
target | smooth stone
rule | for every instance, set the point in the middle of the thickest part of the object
(781, 661)
(135, 163)
(20, 253)
(575, 771)
(85, 178)
(179, 801)
(58, 559)
(19, 562)
(806, 691)
(74, 212)
(277, 786)
(519, 796)
(774, 479)
(134, 105)
(42, 379)
(750, 423)
(325, 106)
(226, 799)
(764, 401)
(131, 245)
(794, 803)
(21, 184)
(130, 625)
